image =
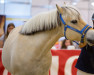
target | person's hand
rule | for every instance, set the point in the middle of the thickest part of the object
(1, 44)
(1, 32)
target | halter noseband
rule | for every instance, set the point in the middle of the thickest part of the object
(82, 32)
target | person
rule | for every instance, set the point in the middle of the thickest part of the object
(10, 27)
(2, 22)
(65, 43)
(56, 46)
(1, 44)
(85, 63)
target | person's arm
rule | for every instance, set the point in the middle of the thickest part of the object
(1, 43)
(2, 26)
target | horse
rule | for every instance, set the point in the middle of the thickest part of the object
(27, 48)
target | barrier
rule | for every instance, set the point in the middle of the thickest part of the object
(63, 62)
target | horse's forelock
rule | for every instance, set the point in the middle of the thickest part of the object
(71, 11)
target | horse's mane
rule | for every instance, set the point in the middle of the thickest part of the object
(47, 20)
(41, 22)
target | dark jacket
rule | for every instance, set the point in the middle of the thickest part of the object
(86, 59)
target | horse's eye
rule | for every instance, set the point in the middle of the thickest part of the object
(74, 21)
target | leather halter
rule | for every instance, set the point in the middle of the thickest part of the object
(82, 32)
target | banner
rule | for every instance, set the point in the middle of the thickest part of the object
(63, 63)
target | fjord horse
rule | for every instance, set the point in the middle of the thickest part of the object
(27, 48)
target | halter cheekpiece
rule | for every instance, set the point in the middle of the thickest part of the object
(82, 32)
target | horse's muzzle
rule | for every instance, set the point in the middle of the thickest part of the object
(90, 41)
(90, 37)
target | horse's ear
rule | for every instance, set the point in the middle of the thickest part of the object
(59, 9)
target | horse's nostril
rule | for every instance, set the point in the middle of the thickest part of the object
(90, 41)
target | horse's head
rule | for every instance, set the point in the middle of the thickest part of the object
(74, 26)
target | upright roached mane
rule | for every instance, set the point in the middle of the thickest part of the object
(46, 21)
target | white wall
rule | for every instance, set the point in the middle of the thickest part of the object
(86, 10)
(1, 8)
(17, 9)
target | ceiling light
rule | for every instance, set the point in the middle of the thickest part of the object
(74, 3)
(92, 3)
(2, 1)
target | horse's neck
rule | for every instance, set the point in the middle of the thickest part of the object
(55, 35)
(51, 37)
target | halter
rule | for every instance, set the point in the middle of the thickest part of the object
(82, 32)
